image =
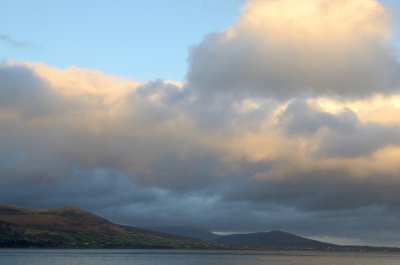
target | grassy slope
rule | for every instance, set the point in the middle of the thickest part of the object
(72, 227)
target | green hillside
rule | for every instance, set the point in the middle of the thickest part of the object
(75, 228)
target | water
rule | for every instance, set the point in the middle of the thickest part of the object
(187, 257)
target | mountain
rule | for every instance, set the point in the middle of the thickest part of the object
(274, 240)
(185, 231)
(72, 227)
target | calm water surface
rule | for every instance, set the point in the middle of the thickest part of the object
(180, 257)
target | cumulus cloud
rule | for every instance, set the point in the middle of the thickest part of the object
(285, 49)
(287, 120)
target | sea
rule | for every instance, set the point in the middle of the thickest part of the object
(191, 257)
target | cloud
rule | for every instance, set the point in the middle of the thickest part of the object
(285, 49)
(282, 123)
(300, 118)
(13, 42)
(342, 134)
(137, 152)
(23, 90)
(367, 139)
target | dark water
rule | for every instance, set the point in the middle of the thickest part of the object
(179, 257)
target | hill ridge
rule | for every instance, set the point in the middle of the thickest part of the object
(72, 227)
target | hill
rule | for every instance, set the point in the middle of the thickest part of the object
(72, 227)
(260, 240)
(274, 240)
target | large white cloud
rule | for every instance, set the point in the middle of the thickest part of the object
(287, 48)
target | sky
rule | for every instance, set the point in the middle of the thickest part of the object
(233, 116)
(138, 39)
